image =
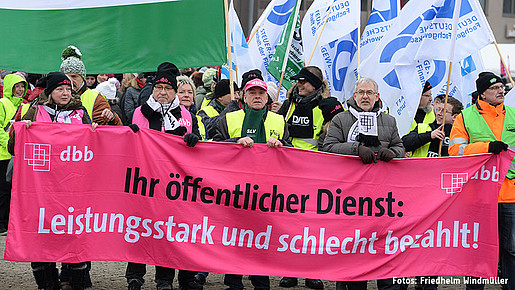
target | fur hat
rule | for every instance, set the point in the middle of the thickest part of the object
(72, 62)
(108, 88)
(485, 80)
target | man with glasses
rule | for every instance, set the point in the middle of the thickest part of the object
(421, 125)
(489, 126)
(367, 132)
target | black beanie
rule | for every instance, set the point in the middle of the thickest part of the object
(55, 79)
(222, 88)
(306, 75)
(427, 87)
(167, 74)
(250, 75)
(485, 80)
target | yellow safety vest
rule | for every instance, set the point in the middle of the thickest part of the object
(210, 111)
(274, 124)
(88, 99)
(201, 128)
(9, 111)
(309, 143)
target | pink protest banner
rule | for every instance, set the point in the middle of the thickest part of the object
(111, 194)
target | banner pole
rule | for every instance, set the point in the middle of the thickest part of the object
(229, 52)
(320, 34)
(504, 64)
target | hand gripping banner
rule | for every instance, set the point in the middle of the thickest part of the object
(111, 194)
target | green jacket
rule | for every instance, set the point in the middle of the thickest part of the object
(9, 82)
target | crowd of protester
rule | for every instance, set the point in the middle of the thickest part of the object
(199, 104)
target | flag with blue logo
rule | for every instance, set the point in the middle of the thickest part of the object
(384, 12)
(463, 75)
(242, 61)
(267, 33)
(290, 43)
(338, 42)
(396, 63)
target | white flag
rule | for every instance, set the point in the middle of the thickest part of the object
(241, 58)
(338, 41)
(395, 64)
(269, 29)
(384, 12)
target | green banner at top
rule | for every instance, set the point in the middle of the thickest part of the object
(114, 36)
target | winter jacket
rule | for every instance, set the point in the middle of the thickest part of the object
(336, 138)
(130, 99)
(9, 82)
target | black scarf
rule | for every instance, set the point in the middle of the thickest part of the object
(301, 121)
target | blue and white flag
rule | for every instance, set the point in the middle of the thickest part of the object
(338, 42)
(396, 64)
(241, 58)
(463, 75)
(269, 28)
(384, 12)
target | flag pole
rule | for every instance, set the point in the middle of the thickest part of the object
(229, 52)
(258, 24)
(320, 34)
(288, 47)
(504, 64)
(451, 57)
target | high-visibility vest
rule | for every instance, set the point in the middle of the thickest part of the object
(424, 149)
(274, 124)
(201, 128)
(309, 143)
(210, 111)
(479, 131)
(88, 101)
(9, 111)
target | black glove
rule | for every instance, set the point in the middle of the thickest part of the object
(496, 147)
(134, 128)
(385, 154)
(366, 154)
(368, 140)
(180, 131)
(191, 139)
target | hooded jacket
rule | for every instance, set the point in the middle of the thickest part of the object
(9, 82)
(337, 135)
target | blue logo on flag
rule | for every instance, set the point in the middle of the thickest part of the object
(467, 65)
(281, 13)
(345, 51)
(378, 16)
(438, 73)
(447, 10)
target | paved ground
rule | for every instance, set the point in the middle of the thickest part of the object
(110, 275)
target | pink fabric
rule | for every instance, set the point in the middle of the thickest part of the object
(43, 116)
(56, 201)
(184, 121)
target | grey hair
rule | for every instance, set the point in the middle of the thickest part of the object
(366, 80)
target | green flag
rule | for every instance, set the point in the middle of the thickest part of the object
(290, 43)
(114, 36)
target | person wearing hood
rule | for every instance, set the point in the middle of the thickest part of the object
(163, 112)
(201, 98)
(97, 106)
(59, 107)
(301, 108)
(15, 88)
(344, 136)
(7, 113)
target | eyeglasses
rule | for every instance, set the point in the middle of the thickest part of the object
(495, 88)
(368, 93)
(427, 95)
(439, 110)
(163, 88)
